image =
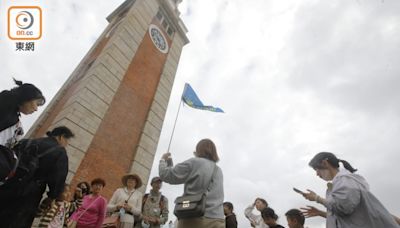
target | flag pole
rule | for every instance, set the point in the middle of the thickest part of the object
(176, 119)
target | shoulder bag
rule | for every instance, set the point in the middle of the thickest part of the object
(192, 206)
(112, 221)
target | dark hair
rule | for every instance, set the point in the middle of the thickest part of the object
(315, 163)
(205, 148)
(295, 214)
(269, 213)
(87, 185)
(83, 193)
(25, 92)
(229, 205)
(98, 181)
(60, 131)
(263, 201)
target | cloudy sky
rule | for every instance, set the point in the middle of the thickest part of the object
(294, 77)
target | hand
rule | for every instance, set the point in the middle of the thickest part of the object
(146, 219)
(166, 156)
(150, 220)
(311, 211)
(310, 195)
(397, 219)
(153, 220)
(119, 206)
(127, 207)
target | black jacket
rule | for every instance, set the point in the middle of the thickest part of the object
(53, 166)
(230, 221)
(9, 114)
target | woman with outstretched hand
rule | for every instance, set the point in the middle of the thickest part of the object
(256, 220)
(348, 201)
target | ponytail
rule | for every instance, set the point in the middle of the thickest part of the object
(25, 92)
(17, 82)
(269, 213)
(60, 131)
(348, 166)
(315, 163)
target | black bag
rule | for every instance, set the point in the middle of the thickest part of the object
(28, 154)
(8, 156)
(22, 170)
(192, 206)
(8, 163)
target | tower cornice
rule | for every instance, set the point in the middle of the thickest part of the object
(176, 21)
(120, 10)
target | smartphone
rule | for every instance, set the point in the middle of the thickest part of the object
(298, 191)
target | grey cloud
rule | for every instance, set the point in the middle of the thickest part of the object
(345, 55)
(331, 88)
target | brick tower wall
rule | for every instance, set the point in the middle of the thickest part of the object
(116, 100)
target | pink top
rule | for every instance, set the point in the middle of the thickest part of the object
(92, 212)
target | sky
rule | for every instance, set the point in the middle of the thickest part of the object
(294, 78)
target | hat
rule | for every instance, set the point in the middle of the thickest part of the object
(132, 176)
(155, 179)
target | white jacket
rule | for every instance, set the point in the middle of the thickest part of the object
(257, 220)
(8, 136)
(350, 204)
(119, 197)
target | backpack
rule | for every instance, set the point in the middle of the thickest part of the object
(8, 164)
(19, 164)
(162, 203)
(145, 197)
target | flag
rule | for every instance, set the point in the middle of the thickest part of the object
(191, 99)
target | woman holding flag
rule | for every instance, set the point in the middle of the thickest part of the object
(199, 175)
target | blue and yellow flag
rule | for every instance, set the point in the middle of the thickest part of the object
(191, 99)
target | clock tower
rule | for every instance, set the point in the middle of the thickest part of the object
(116, 99)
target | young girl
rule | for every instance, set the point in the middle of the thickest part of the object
(269, 217)
(348, 201)
(56, 216)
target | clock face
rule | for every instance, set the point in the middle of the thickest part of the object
(158, 38)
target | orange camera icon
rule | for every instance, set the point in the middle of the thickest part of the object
(24, 22)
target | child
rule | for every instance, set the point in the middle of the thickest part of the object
(269, 217)
(56, 216)
(230, 217)
(295, 218)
